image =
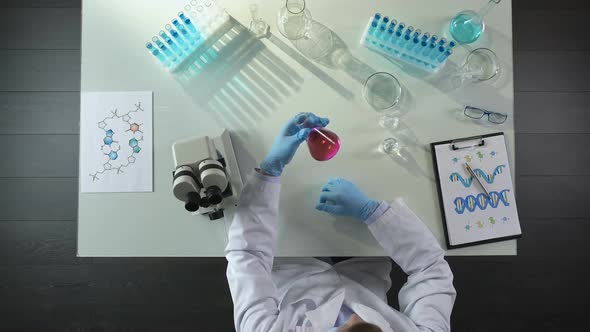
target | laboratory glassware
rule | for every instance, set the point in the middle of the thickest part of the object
(383, 92)
(389, 122)
(294, 20)
(317, 42)
(480, 65)
(407, 45)
(175, 46)
(323, 144)
(391, 146)
(468, 25)
(479, 113)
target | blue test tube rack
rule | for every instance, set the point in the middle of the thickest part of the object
(182, 44)
(394, 39)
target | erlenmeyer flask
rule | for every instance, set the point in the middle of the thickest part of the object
(467, 26)
(294, 20)
(323, 144)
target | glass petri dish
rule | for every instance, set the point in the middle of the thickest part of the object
(484, 61)
(382, 91)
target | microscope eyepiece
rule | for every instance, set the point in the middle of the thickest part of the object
(192, 202)
(205, 202)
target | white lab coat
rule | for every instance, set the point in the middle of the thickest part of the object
(306, 294)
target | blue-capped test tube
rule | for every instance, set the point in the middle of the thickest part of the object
(423, 43)
(165, 49)
(407, 36)
(382, 27)
(374, 24)
(159, 55)
(373, 27)
(189, 25)
(438, 52)
(431, 46)
(390, 30)
(415, 40)
(398, 33)
(183, 31)
(444, 55)
(451, 45)
(442, 42)
(171, 43)
(177, 37)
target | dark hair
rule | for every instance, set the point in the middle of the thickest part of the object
(365, 327)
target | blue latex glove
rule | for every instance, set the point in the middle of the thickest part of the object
(342, 198)
(291, 136)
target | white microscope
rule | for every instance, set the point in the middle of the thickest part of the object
(206, 176)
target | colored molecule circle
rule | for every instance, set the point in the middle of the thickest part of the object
(113, 155)
(108, 140)
(134, 127)
(136, 149)
(133, 142)
(110, 133)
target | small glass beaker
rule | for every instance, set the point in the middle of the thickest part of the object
(383, 92)
(294, 20)
(480, 65)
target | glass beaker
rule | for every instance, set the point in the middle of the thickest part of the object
(480, 65)
(468, 25)
(383, 92)
(323, 144)
(392, 147)
(294, 20)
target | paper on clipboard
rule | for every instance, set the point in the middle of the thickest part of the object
(470, 216)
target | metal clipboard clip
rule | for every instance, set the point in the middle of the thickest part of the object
(473, 138)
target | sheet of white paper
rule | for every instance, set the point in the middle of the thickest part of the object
(470, 217)
(116, 142)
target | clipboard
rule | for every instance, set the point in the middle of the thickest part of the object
(469, 209)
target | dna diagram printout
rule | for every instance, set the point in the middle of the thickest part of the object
(470, 214)
(116, 142)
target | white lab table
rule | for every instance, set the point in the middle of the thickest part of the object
(257, 93)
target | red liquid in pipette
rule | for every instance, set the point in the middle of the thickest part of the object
(323, 144)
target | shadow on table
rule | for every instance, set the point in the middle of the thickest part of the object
(237, 79)
(410, 144)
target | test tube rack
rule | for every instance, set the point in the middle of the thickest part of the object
(183, 43)
(388, 37)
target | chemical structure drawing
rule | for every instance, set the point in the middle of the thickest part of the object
(114, 126)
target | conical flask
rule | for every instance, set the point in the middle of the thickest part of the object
(323, 144)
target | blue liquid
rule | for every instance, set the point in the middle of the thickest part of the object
(466, 27)
(171, 43)
(155, 52)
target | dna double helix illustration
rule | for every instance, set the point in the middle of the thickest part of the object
(489, 178)
(471, 203)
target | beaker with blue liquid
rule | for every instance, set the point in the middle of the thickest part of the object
(467, 26)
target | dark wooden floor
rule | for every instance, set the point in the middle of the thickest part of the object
(43, 286)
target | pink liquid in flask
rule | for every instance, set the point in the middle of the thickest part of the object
(323, 144)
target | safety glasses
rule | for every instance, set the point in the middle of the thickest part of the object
(478, 113)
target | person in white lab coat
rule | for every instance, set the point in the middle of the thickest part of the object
(307, 294)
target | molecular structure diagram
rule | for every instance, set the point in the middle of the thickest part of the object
(111, 148)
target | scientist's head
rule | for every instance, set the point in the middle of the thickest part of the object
(356, 324)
